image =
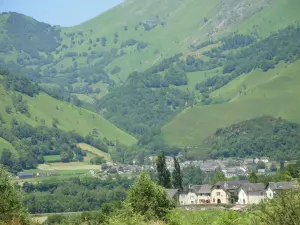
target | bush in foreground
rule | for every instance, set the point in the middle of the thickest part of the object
(11, 207)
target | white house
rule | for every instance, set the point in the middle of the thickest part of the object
(226, 192)
(187, 198)
(204, 194)
(251, 193)
(274, 188)
(197, 194)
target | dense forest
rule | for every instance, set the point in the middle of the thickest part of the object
(73, 194)
(137, 110)
(263, 136)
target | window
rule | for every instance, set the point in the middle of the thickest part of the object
(218, 193)
(261, 193)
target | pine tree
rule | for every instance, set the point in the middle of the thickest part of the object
(164, 176)
(176, 175)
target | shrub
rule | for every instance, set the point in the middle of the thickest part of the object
(11, 207)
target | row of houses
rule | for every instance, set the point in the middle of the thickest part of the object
(240, 192)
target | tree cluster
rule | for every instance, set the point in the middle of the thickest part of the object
(73, 194)
(164, 175)
(32, 143)
(263, 136)
(31, 36)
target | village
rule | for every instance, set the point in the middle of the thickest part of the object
(236, 192)
(230, 167)
(232, 192)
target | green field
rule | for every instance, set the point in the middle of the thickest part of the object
(52, 158)
(71, 166)
(61, 175)
(275, 93)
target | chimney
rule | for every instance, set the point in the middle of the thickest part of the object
(225, 185)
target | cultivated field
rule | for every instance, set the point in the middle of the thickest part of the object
(68, 166)
(94, 151)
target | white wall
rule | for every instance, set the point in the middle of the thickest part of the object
(251, 197)
(219, 194)
(243, 198)
(189, 198)
(256, 197)
(192, 198)
(269, 193)
(202, 199)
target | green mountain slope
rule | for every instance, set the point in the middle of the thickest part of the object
(6, 145)
(44, 110)
(135, 35)
(208, 64)
(258, 93)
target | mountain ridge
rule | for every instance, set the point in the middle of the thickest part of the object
(169, 58)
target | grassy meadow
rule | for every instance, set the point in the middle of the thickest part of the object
(70, 117)
(275, 93)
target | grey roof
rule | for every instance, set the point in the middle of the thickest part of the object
(201, 189)
(195, 188)
(232, 170)
(282, 185)
(231, 184)
(24, 174)
(253, 187)
(249, 161)
(204, 189)
(171, 192)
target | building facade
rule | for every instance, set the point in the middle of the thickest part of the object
(251, 193)
(274, 188)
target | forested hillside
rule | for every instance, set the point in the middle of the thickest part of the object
(263, 136)
(34, 125)
(169, 73)
(91, 58)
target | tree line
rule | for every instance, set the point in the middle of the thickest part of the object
(263, 136)
(33, 143)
